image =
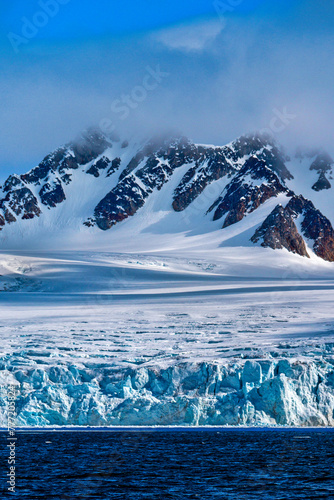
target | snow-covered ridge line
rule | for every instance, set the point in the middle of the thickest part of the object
(157, 190)
(263, 392)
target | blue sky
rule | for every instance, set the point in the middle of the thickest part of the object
(229, 67)
(84, 19)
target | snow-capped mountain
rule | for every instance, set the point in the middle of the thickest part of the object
(169, 185)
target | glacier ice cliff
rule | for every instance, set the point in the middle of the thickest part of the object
(248, 392)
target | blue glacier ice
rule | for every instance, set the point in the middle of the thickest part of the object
(245, 392)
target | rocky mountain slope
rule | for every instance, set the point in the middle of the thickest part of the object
(96, 183)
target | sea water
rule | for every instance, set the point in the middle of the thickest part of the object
(143, 464)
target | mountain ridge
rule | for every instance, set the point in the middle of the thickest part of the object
(97, 182)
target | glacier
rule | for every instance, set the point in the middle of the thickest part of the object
(263, 392)
(104, 339)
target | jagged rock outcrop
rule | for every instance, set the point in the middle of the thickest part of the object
(20, 202)
(315, 227)
(322, 183)
(24, 195)
(254, 184)
(156, 162)
(209, 166)
(146, 171)
(52, 194)
(323, 164)
(99, 165)
(122, 202)
(215, 163)
(279, 229)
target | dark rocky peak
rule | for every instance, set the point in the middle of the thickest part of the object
(275, 159)
(84, 149)
(147, 149)
(315, 227)
(53, 171)
(13, 182)
(166, 146)
(155, 174)
(265, 148)
(280, 231)
(214, 163)
(323, 165)
(250, 143)
(254, 184)
(210, 164)
(282, 234)
(181, 151)
(136, 184)
(89, 146)
(298, 204)
(49, 164)
(20, 202)
(258, 169)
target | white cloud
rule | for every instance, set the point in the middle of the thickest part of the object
(189, 37)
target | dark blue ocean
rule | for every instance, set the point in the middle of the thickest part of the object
(172, 464)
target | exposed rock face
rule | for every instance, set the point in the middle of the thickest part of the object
(12, 182)
(146, 171)
(99, 165)
(52, 194)
(322, 183)
(214, 163)
(123, 201)
(280, 231)
(252, 392)
(253, 185)
(209, 166)
(92, 145)
(156, 162)
(20, 202)
(323, 164)
(50, 164)
(21, 198)
(264, 148)
(157, 147)
(115, 165)
(316, 227)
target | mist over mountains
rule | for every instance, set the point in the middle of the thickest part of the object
(169, 185)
